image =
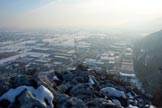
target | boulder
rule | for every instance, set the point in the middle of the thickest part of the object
(74, 102)
(26, 80)
(64, 87)
(27, 100)
(4, 86)
(41, 93)
(84, 74)
(67, 76)
(82, 91)
(79, 79)
(116, 102)
(100, 103)
(110, 91)
(61, 100)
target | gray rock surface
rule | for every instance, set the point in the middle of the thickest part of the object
(76, 89)
(100, 103)
(27, 100)
(74, 102)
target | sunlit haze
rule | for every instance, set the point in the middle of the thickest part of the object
(141, 15)
(81, 53)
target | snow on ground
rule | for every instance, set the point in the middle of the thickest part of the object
(116, 102)
(55, 78)
(151, 106)
(41, 93)
(130, 106)
(113, 92)
(127, 75)
(130, 96)
(12, 58)
(91, 82)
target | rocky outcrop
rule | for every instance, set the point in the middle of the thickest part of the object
(25, 92)
(96, 90)
(71, 89)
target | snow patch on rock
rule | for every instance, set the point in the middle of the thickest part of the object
(91, 82)
(41, 93)
(113, 92)
(130, 106)
(116, 102)
(55, 78)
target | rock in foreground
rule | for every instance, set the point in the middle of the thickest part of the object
(70, 89)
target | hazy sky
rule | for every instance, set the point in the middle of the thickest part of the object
(123, 14)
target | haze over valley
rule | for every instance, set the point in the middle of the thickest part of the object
(80, 53)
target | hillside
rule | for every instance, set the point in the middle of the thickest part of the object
(148, 64)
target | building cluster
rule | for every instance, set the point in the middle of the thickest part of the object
(46, 53)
